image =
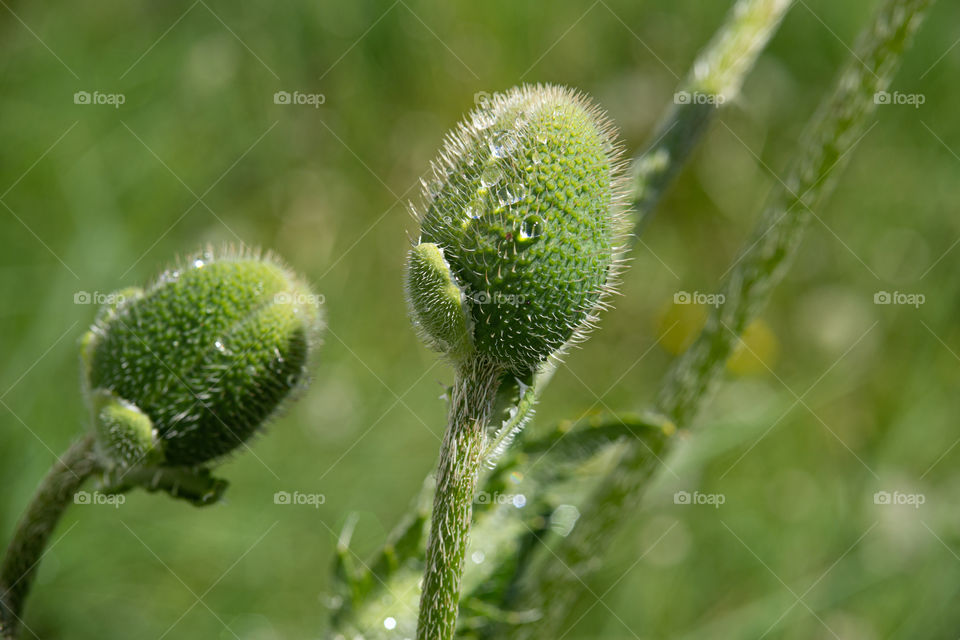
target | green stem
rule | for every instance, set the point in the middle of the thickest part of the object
(34, 529)
(834, 130)
(716, 75)
(461, 455)
(718, 70)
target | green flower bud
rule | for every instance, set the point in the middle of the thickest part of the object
(185, 371)
(436, 302)
(525, 209)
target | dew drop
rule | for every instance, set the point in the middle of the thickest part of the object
(389, 624)
(564, 518)
(507, 196)
(198, 263)
(502, 144)
(477, 557)
(473, 211)
(220, 346)
(491, 176)
(532, 228)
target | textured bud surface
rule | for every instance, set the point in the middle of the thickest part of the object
(204, 356)
(125, 433)
(436, 301)
(525, 203)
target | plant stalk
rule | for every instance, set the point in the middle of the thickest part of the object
(834, 131)
(461, 456)
(30, 539)
(719, 70)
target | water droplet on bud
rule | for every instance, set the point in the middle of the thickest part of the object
(491, 175)
(507, 196)
(502, 144)
(532, 228)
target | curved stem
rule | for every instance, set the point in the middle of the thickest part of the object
(461, 454)
(719, 70)
(834, 131)
(33, 531)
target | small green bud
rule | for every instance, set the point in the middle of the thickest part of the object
(525, 211)
(436, 301)
(186, 370)
(124, 432)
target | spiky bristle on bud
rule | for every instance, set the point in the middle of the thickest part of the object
(525, 205)
(186, 370)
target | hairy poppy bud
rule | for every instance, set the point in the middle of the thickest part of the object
(186, 370)
(524, 209)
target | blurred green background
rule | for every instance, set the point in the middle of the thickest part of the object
(852, 397)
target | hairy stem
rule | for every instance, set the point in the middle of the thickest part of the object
(34, 529)
(718, 70)
(834, 130)
(461, 455)
(714, 80)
